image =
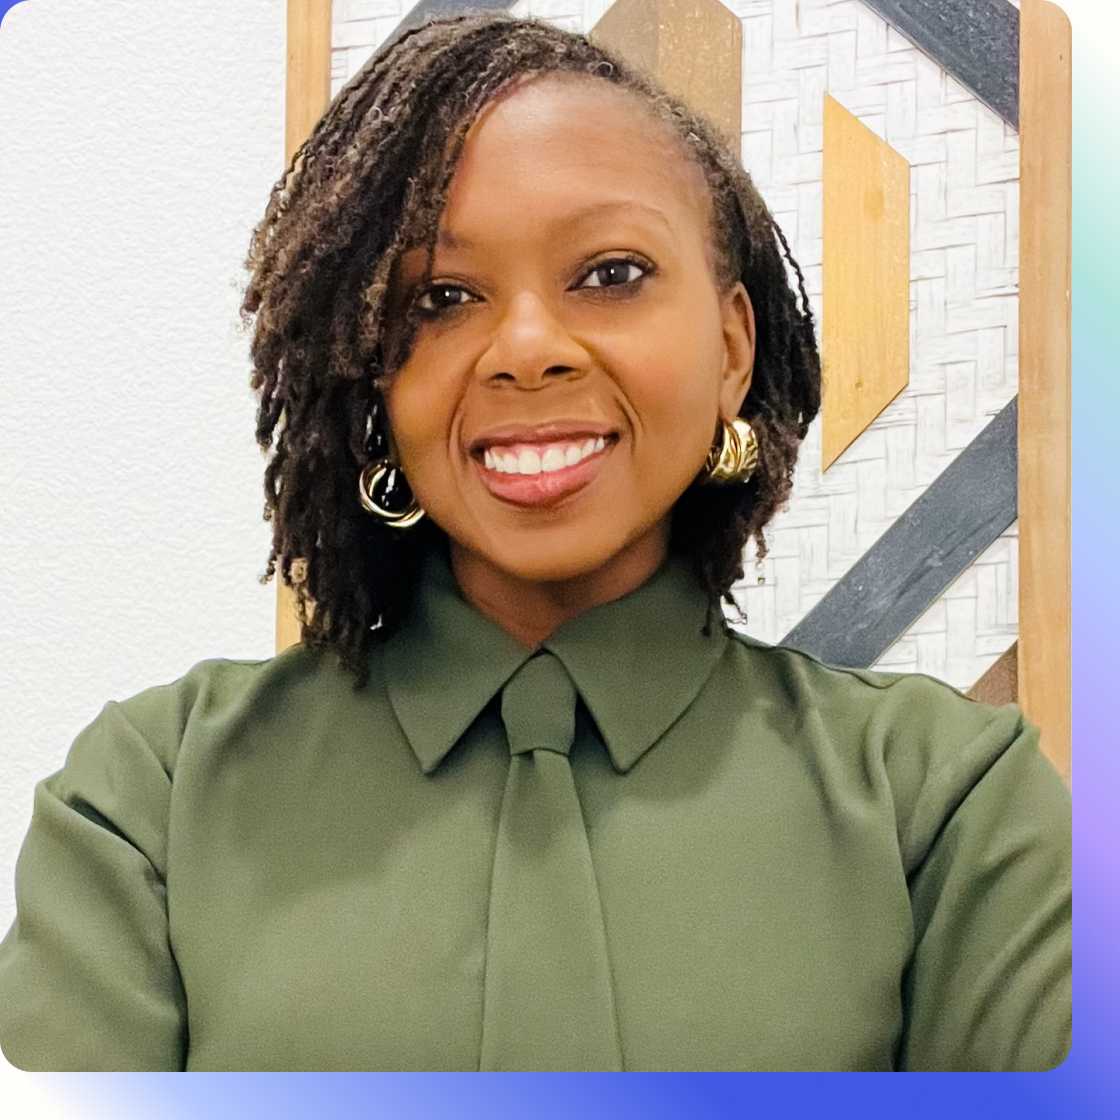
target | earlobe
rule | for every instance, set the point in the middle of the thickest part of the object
(739, 349)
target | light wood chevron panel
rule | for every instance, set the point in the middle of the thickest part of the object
(692, 47)
(865, 345)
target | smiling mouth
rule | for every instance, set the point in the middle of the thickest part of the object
(541, 475)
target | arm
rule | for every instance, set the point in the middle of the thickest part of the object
(988, 986)
(87, 977)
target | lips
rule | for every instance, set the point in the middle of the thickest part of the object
(546, 488)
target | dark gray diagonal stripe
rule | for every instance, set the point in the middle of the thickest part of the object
(977, 41)
(963, 511)
(428, 8)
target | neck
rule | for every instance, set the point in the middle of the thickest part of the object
(531, 610)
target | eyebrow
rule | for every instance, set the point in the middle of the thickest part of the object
(580, 217)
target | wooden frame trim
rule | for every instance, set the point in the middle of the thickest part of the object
(307, 96)
(1045, 231)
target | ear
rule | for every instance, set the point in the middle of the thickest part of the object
(739, 350)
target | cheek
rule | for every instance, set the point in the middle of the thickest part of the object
(419, 419)
(674, 389)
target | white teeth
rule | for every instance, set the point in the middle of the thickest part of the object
(529, 462)
(553, 459)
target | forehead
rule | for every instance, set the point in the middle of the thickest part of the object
(560, 150)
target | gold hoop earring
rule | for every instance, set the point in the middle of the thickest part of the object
(381, 488)
(735, 457)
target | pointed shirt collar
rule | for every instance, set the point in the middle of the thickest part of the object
(638, 661)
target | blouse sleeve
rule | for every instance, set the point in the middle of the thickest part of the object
(88, 980)
(988, 986)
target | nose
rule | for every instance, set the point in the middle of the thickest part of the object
(530, 346)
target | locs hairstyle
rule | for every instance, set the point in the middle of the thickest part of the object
(371, 182)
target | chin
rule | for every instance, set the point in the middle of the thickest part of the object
(568, 556)
(549, 566)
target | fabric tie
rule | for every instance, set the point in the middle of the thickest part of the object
(549, 1001)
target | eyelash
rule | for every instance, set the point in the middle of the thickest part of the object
(647, 268)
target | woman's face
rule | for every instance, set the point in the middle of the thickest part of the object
(575, 353)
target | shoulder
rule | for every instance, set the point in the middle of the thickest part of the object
(889, 701)
(120, 767)
(918, 738)
(212, 695)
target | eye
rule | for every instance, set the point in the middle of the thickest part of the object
(431, 300)
(615, 272)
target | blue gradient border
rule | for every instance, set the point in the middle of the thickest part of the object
(1083, 1086)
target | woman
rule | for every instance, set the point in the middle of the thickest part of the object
(521, 799)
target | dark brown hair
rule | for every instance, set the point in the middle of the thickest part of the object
(370, 182)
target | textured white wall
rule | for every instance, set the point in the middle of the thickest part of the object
(139, 143)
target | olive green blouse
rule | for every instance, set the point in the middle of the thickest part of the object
(798, 866)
